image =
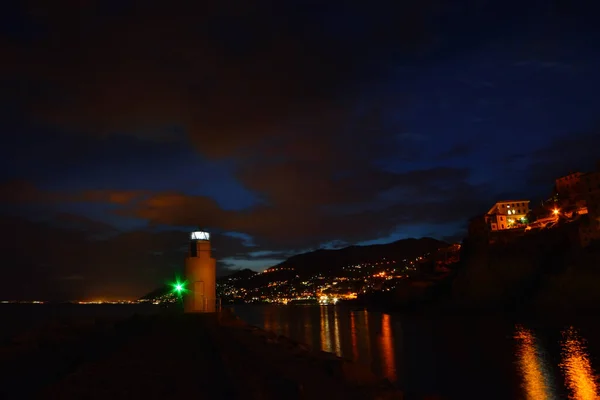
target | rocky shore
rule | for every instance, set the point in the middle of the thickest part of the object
(214, 356)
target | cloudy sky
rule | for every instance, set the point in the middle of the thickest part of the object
(280, 127)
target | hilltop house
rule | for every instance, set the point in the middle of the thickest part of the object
(507, 214)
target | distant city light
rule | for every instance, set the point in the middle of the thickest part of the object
(555, 211)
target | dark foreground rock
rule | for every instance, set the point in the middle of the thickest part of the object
(291, 370)
(182, 356)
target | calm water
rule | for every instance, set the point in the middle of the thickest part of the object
(453, 357)
(17, 318)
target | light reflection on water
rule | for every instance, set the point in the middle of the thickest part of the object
(336, 332)
(580, 378)
(537, 379)
(353, 336)
(387, 348)
(447, 356)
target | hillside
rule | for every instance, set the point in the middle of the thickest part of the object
(157, 293)
(329, 262)
(332, 260)
(238, 275)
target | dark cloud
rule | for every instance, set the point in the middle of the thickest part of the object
(66, 258)
(292, 95)
(233, 75)
(90, 227)
(302, 214)
(561, 156)
(21, 192)
(437, 195)
(457, 151)
(304, 113)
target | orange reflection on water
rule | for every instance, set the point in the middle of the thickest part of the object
(367, 335)
(268, 321)
(325, 333)
(354, 339)
(336, 333)
(387, 348)
(536, 378)
(579, 375)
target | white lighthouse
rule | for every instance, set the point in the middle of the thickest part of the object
(200, 273)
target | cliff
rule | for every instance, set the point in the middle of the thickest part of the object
(543, 271)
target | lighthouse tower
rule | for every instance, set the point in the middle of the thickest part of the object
(200, 273)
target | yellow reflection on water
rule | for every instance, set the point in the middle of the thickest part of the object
(325, 332)
(535, 375)
(367, 335)
(336, 333)
(387, 348)
(353, 336)
(579, 375)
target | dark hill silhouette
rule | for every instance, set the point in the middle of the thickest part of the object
(330, 261)
(323, 260)
(239, 274)
(157, 293)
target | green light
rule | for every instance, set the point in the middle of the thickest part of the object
(178, 287)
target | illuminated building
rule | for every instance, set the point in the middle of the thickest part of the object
(507, 214)
(200, 274)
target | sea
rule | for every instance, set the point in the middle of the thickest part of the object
(437, 356)
(452, 356)
(19, 318)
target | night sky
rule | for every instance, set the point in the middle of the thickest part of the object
(280, 128)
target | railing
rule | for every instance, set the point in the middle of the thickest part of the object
(208, 307)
